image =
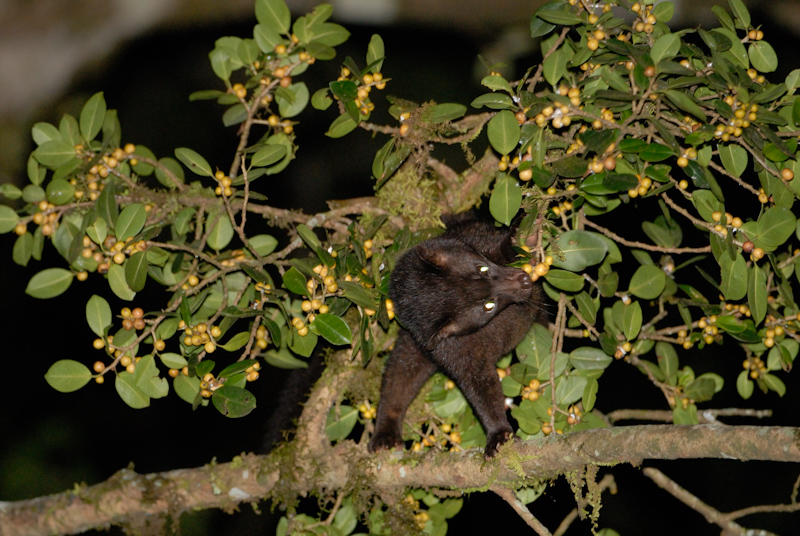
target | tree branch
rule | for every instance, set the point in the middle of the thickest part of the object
(289, 472)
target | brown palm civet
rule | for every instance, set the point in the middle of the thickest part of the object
(461, 310)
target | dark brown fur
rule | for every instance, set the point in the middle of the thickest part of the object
(440, 290)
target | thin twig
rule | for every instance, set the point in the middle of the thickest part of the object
(711, 514)
(526, 515)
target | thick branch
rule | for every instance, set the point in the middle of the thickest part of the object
(253, 477)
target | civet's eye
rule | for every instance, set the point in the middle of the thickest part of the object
(483, 269)
(489, 306)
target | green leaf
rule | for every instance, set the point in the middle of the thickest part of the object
(331, 328)
(440, 113)
(33, 194)
(147, 380)
(235, 370)
(341, 126)
(67, 375)
(375, 53)
(666, 234)
(8, 219)
(741, 330)
(340, 422)
(655, 152)
(233, 401)
(49, 283)
(666, 47)
(69, 130)
(157, 256)
(275, 14)
(234, 115)
(763, 56)
(648, 282)
(358, 295)
(631, 320)
(106, 204)
(734, 158)
(757, 293)
(55, 153)
(504, 132)
(706, 204)
(92, 116)
(534, 349)
(701, 389)
(221, 234)
(284, 359)
(173, 360)
(497, 83)
(186, 387)
(771, 229)
(774, 383)
(60, 192)
(44, 132)
(98, 315)
(664, 11)
(320, 99)
(682, 415)
(586, 307)
(263, 244)
(128, 391)
(554, 66)
(192, 160)
(236, 342)
(685, 103)
(9, 191)
(266, 38)
(495, 101)
(667, 358)
(539, 27)
(452, 404)
(563, 16)
(23, 249)
(119, 286)
(506, 199)
(268, 155)
(744, 385)
(576, 250)
(734, 277)
(330, 34)
(590, 395)
(566, 281)
(294, 281)
(304, 346)
(299, 100)
(570, 389)
(589, 358)
(737, 50)
(740, 12)
(308, 236)
(130, 221)
(136, 271)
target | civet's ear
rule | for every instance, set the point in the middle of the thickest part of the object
(434, 256)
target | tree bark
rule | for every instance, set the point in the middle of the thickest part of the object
(250, 478)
